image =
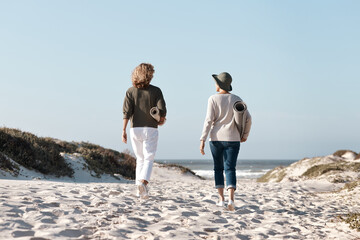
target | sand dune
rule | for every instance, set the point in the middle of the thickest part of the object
(180, 207)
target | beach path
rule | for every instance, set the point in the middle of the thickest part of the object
(180, 207)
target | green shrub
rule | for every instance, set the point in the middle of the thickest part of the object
(353, 219)
(66, 147)
(7, 165)
(102, 160)
(43, 155)
(33, 152)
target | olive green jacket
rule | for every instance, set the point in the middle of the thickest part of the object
(137, 105)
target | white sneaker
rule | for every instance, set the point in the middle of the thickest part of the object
(143, 191)
(220, 204)
(231, 206)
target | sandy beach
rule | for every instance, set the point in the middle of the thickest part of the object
(180, 207)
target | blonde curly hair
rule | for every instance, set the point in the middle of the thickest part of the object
(142, 75)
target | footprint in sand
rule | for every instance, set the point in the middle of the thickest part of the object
(155, 215)
(22, 224)
(48, 220)
(71, 233)
(211, 229)
(85, 197)
(30, 209)
(189, 214)
(57, 212)
(86, 203)
(218, 220)
(243, 211)
(195, 205)
(254, 220)
(48, 214)
(75, 191)
(48, 205)
(167, 228)
(18, 234)
(15, 212)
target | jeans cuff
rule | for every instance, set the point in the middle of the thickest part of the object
(219, 186)
(231, 186)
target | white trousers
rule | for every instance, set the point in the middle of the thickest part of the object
(144, 143)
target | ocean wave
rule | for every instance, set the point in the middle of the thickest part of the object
(209, 174)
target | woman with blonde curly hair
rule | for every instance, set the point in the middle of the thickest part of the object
(138, 102)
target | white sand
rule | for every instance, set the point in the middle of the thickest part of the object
(180, 207)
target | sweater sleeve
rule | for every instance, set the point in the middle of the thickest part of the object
(209, 119)
(247, 124)
(128, 107)
(161, 104)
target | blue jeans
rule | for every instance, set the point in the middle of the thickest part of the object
(225, 156)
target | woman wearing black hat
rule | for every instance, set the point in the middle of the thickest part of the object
(224, 136)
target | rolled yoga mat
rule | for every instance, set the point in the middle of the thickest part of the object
(240, 116)
(155, 113)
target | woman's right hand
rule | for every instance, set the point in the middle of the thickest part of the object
(202, 146)
(124, 137)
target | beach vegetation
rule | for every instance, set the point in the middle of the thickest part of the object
(102, 160)
(340, 153)
(277, 174)
(351, 185)
(7, 165)
(33, 152)
(321, 169)
(353, 219)
(183, 170)
(43, 155)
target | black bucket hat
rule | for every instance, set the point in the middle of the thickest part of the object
(224, 80)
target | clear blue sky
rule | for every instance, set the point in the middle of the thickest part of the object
(65, 67)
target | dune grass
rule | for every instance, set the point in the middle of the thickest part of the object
(321, 169)
(339, 153)
(351, 185)
(277, 173)
(33, 152)
(102, 160)
(183, 169)
(43, 155)
(353, 219)
(7, 165)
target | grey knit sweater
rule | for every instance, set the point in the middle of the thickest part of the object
(219, 121)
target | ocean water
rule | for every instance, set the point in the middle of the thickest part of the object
(248, 169)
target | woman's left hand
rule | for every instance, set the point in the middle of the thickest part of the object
(162, 121)
(202, 146)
